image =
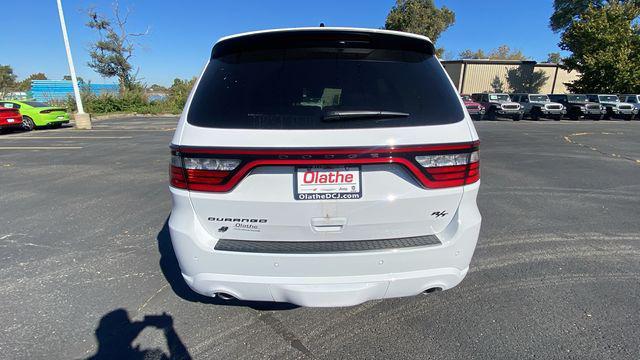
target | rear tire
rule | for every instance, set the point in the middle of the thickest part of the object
(557, 117)
(56, 125)
(517, 117)
(28, 124)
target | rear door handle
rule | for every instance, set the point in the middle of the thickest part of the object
(324, 224)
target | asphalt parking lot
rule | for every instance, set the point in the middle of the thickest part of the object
(86, 265)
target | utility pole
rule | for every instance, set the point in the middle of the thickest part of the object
(83, 120)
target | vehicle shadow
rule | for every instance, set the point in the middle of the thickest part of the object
(116, 332)
(171, 271)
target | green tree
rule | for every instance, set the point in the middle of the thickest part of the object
(179, 91)
(554, 58)
(420, 17)
(7, 79)
(68, 78)
(497, 85)
(503, 52)
(605, 49)
(156, 87)
(525, 79)
(112, 52)
(25, 84)
(566, 11)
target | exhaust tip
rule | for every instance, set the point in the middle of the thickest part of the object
(224, 296)
(432, 290)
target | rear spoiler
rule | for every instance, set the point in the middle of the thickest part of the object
(52, 110)
(321, 38)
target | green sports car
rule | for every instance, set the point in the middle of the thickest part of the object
(36, 114)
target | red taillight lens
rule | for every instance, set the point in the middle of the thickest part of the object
(200, 174)
(448, 170)
(176, 173)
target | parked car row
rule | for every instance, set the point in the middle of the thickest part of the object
(518, 106)
(29, 115)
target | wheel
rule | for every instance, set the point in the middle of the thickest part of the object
(574, 116)
(557, 117)
(56, 125)
(517, 117)
(627, 117)
(28, 124)
(535, 114)
(491, 114)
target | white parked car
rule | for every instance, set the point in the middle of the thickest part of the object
(324, 167)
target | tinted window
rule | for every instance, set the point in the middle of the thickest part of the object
(608, 98)
(499, 97)
(578, 98)
(296, 88)
(36, 104)
(11, 105)
(539, 97)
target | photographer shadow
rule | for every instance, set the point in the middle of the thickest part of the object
(116, 332)
(171, 271)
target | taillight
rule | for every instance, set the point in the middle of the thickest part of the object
(201, 173)
(176, 174)
(45, 111)
(447, 170)
(221, 169)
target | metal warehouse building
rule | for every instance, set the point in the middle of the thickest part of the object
(476, 75)
(47, 90)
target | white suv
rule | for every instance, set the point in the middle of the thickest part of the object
(324, 167)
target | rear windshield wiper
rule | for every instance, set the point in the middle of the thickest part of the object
(362, 115)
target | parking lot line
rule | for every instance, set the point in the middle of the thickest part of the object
(64, 137)
(40, 147)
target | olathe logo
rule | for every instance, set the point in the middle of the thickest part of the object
(315, 177)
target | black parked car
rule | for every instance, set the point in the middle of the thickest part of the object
(579, 106)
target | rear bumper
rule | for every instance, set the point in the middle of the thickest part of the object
(11, 125)
(334, 279)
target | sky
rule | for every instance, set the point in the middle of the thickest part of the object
(181, 33)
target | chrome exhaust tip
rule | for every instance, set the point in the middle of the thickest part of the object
(224, 296)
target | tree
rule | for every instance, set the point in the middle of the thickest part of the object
(566, 11)
(68, 78)
(469, 54)
(503, 52)
(179, 91)
(420, 17)
(605, 49)
(25, 84)
(497, 85)
(554, 58)
(525, 80)
(7, 79)
(112, 52)
(156, 87)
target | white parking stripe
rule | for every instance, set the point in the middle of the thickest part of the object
(64, 137)
(40, 147)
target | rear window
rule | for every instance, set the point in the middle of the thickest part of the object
(296, 88)
(36, 104)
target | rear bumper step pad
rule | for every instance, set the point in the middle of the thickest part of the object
(314, 247)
